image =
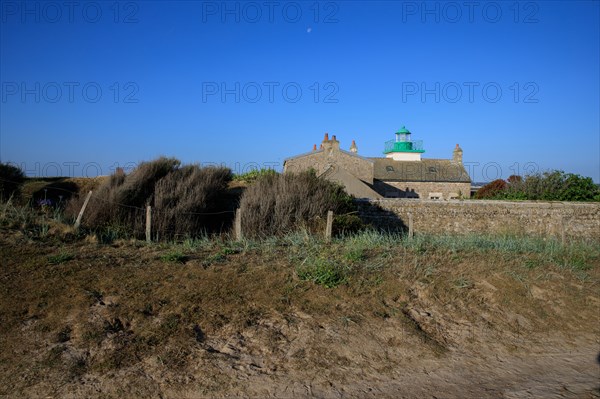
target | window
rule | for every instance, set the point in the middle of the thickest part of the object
(389, 168)
(432, 169)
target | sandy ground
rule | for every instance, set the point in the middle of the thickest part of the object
(141, 327)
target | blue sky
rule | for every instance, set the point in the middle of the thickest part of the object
(87, 86)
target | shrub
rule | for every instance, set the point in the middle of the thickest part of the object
(491, 190)
(177, 194)
(253, 175)
(277, 204)
(548, 186)
(183, 195)
(11, 178)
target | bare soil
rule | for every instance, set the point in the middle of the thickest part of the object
(84, 319)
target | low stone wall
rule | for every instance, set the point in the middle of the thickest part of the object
(558, 219)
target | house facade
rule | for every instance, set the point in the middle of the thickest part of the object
(401, 173)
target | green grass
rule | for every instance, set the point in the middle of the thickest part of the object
(322, 271)
(61, 257)
(174, 256)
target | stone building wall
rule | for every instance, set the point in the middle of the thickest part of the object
(558, 219)
(423, 190)
(320, 160)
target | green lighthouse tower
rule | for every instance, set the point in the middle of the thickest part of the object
(403, 148)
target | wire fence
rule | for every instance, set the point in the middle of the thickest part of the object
(140, 226)
(114, 203)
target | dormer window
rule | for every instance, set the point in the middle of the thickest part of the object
(432, 169)
(389, 168)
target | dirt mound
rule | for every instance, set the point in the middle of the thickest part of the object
(220, 319)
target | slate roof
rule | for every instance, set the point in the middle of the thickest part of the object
(426, 170)
(304, 154)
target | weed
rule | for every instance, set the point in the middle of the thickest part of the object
(322, 271)
(355, 255)
(61, 257)
(110, 233)
(42, 230)
(174, 257)
(193, 244)
(531, 263)
(463, 282)
(170, 324)
(214, 258)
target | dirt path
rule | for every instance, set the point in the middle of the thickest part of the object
(554, 374)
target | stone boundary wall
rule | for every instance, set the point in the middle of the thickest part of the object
(558, 219)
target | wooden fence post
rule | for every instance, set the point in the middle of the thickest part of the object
(238, 224)
(148, 223)
(85, 203)
(329, 226)
(411, 231)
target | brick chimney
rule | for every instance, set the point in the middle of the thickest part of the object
(314, 147)
(353, 147)
(457, 154)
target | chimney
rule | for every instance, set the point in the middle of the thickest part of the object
(353, 147)
(457, 154)
(314, 147)
(332, 144)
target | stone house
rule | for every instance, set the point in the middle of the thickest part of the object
(402, 173)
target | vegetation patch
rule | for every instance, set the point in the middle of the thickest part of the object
(278, 204)
(548, 186)
(187, 200)
(61, 257)
(11, 178)
(322, 271)
(174, 257)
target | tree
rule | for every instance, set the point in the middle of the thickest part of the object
(491, 190)
(553, 185)
(11, 178)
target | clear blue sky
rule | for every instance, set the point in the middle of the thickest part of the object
(169, 74)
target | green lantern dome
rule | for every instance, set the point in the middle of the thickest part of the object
(403, 143)
(404, 130)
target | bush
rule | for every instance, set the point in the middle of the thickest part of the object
(277, 204)
(176, 194)
(253, 175)
(11, 178)
(548, 186)
(491, 190)
(181, 197)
